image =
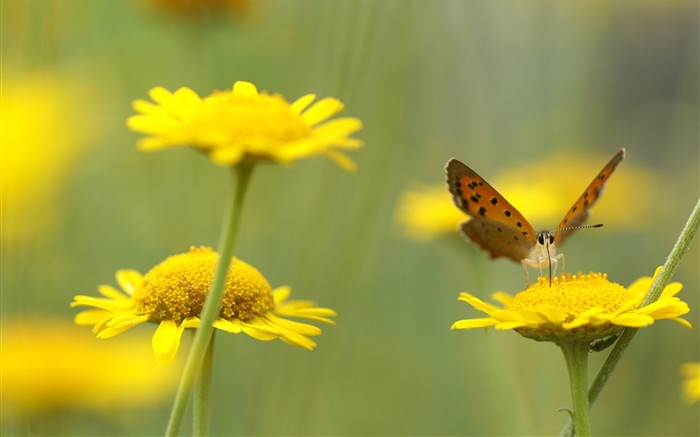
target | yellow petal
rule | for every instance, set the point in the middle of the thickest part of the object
(90, 317)
(129, 280)
(477, 303)
(342, 160)
(322, 110)
(474, 323)
(302, 102)
(166, 341)
(632, 320)
(245, 89)
(111, 293)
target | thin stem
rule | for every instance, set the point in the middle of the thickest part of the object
(576, 357)
(202, 390)
(212, 305)
(657, 287)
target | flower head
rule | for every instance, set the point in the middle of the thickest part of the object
(691, 384)
(172, 294)
(245, 124)
(52, 366)
(43, 139)
(576, 307)
(428, 212)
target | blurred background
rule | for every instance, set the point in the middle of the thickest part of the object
(528, 93)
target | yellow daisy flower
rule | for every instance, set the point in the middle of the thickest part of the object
(42, 140)
(428, 212)
(691, 384)
(243, 123)
(576, 307)
(52, 365)
(172, 294)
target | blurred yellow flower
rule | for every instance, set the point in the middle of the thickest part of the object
(50, 366)
(542, 191)
(691, 384)
(42, 137)
(172, 294)
(428, 212)
(243, 123)
(578, 307)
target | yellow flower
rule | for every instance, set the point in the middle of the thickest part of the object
(245, 124)
(42, 138)
(578, 307)
(172, 294)
(428, 212)
(51, 366)
(542, 191)
(691, 384)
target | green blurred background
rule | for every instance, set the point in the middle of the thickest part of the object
(497, 84)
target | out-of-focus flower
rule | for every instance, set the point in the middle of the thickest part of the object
(43, 136)
(691, 384)
(428, 212)
(50, 366)
(172, 294)
(576, 308)
(231, 126)
(543, 191)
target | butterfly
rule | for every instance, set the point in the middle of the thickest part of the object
(501, 230)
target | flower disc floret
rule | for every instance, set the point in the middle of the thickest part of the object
(177, 288)
(575, 308)
(172, 294)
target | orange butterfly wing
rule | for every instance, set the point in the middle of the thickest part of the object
(578, 213)
(496, 226)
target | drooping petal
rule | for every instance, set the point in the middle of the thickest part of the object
(166, 341)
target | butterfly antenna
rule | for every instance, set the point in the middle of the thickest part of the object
(571, 228)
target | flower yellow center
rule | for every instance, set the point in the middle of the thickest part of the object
(176, 288)
(574, 294)
(255, 121)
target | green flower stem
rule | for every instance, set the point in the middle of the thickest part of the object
(576, 357)
(212, 305)
(657, 287)
(200, 412)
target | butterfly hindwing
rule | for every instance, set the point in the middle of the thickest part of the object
(477, 198)
(497, 239)
(579, 212)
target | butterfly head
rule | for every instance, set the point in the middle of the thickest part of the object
(545, 238)
(543, 249)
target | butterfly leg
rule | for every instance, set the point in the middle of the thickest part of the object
(525, 263)
(556, 260)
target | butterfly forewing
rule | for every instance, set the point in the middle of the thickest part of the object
(476, 197)
(578, 213)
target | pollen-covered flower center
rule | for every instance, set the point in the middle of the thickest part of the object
(262, 121)
(575, 294)
(177, 288)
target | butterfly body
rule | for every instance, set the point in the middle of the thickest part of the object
(501, 230)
